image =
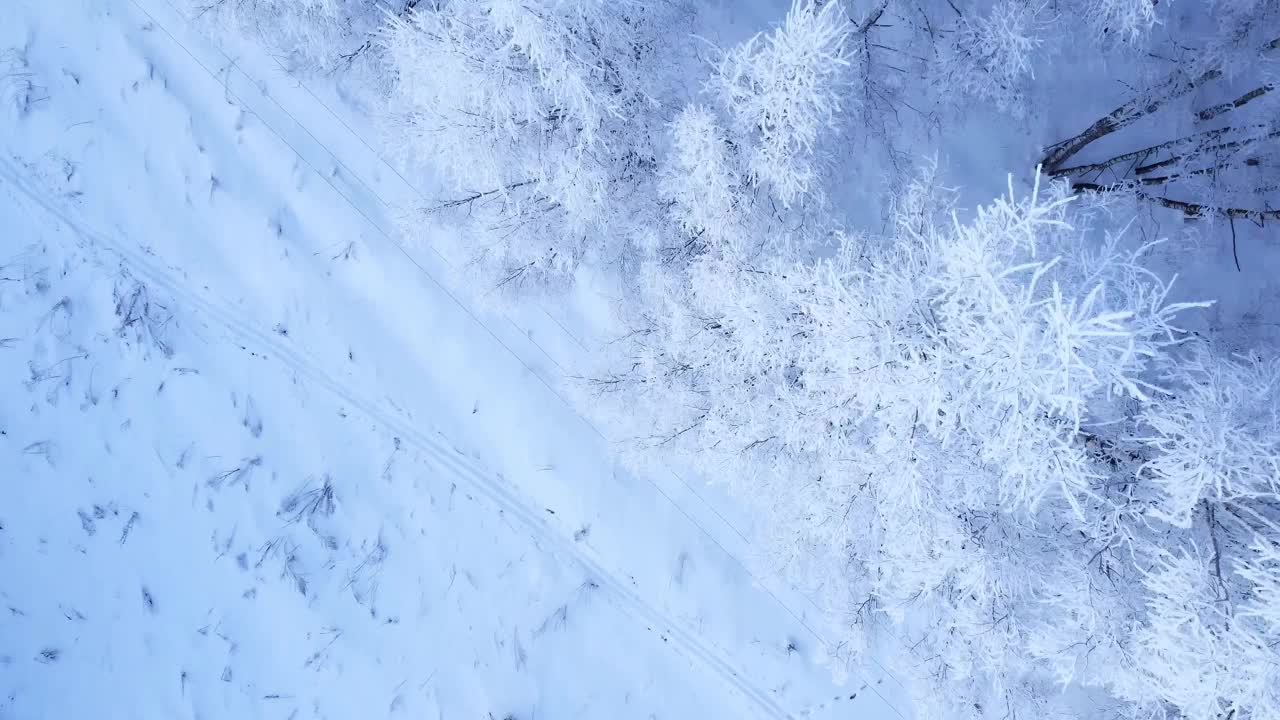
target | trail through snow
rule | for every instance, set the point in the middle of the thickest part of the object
(261, 462)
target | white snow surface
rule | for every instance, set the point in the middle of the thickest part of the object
(259, 461)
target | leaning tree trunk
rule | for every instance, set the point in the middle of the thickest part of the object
(1152, 170)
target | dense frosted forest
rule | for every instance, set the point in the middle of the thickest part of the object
(970, 305)
(1000, 428)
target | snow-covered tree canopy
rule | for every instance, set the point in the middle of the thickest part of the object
(306, 34)
(1001, 438)
(539, 116)
(992, 432)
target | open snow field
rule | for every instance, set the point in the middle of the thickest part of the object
(258, 460)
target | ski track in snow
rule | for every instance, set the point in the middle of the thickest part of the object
(58, 646)
(762, 679)
(446, 457)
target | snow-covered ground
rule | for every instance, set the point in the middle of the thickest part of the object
(259, 460)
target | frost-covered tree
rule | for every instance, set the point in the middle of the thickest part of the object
(986, 431)
(993, 54)
(554, 127)
(736, 170)
(309, 35)
(782, 89)
(989, 433)
(539, 116)
(704, 185)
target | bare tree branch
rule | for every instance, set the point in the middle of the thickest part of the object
(1213, 112)
(1189, 209)
(450, 204)
(1231, 145)
(872, 18)
(1171, 88)
(1196, 140)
